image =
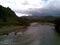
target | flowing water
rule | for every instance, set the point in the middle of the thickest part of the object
(36, 34)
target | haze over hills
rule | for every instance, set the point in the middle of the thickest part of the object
(8, 19)
(7, 16)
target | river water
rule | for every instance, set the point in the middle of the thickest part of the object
(36, 34)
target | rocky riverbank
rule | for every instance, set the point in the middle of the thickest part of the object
(8, 29)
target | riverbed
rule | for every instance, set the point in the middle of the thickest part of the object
(35, 34)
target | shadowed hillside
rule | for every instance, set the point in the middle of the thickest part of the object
(7, 16)
(9, 22)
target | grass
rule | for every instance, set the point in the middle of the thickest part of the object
(12, 28)
(6, 28)
(17, 28)
(46, 23)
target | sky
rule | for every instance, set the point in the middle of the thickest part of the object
(33, 7)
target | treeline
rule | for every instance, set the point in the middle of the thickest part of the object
(48, 19)
(8, 17)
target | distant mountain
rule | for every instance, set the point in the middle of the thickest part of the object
(7, 16)
(40, 18)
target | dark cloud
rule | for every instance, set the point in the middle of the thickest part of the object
(52, 7)
(41, 12)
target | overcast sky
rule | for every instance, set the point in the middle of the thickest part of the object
(33, 7)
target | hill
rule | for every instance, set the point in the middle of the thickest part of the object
(7, 16)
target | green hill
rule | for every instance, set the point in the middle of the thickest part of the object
(7, 16)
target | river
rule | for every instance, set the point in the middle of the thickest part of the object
(36, 34)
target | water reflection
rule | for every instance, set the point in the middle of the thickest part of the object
(36, 34)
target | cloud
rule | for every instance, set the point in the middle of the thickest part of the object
(50, 8)
(53, 4)
(33, 7)
(22, 4)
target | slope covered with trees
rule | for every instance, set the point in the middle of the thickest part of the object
(7, 16)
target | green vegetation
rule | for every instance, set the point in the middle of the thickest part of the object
(11, 28)
(8, 17)
(10, 22)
